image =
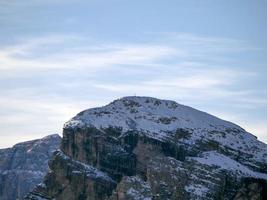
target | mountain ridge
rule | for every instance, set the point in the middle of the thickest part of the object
(127, 117)
(24, 165)
(154, 149)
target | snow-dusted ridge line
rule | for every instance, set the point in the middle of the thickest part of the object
(38, 141)
(135, 106)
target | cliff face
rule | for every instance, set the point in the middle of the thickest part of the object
(24, 165)
(146, 148)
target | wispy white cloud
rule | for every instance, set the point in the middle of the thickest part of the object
(208, 43)
(210, 84)
(45, 81)
(47, 53)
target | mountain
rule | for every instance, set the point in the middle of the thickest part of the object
(24, 165)
(143, 148)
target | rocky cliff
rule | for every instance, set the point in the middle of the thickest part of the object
(24, 165)
(145, 148)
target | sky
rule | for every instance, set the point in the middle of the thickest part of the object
(59, 57)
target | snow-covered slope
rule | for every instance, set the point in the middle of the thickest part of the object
(223, 162)
(24, 165)
(150, 115)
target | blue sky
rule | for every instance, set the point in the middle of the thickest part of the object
(60, 57)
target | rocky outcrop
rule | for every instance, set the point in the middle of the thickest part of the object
(146, 148)
(70, 179)
(24, 165)
(252, 189)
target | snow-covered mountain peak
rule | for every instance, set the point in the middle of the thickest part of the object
(144, 113)
(162, 119)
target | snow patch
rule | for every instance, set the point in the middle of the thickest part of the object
(223, 162)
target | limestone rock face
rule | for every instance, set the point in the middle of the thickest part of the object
(146, 148)
(70, 179)
(24, 165)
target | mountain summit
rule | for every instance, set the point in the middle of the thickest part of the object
(24, 166)
(147, 148)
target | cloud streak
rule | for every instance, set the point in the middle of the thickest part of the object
(33, 54)
(44, 81)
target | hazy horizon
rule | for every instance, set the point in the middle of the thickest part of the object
(60, 57)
